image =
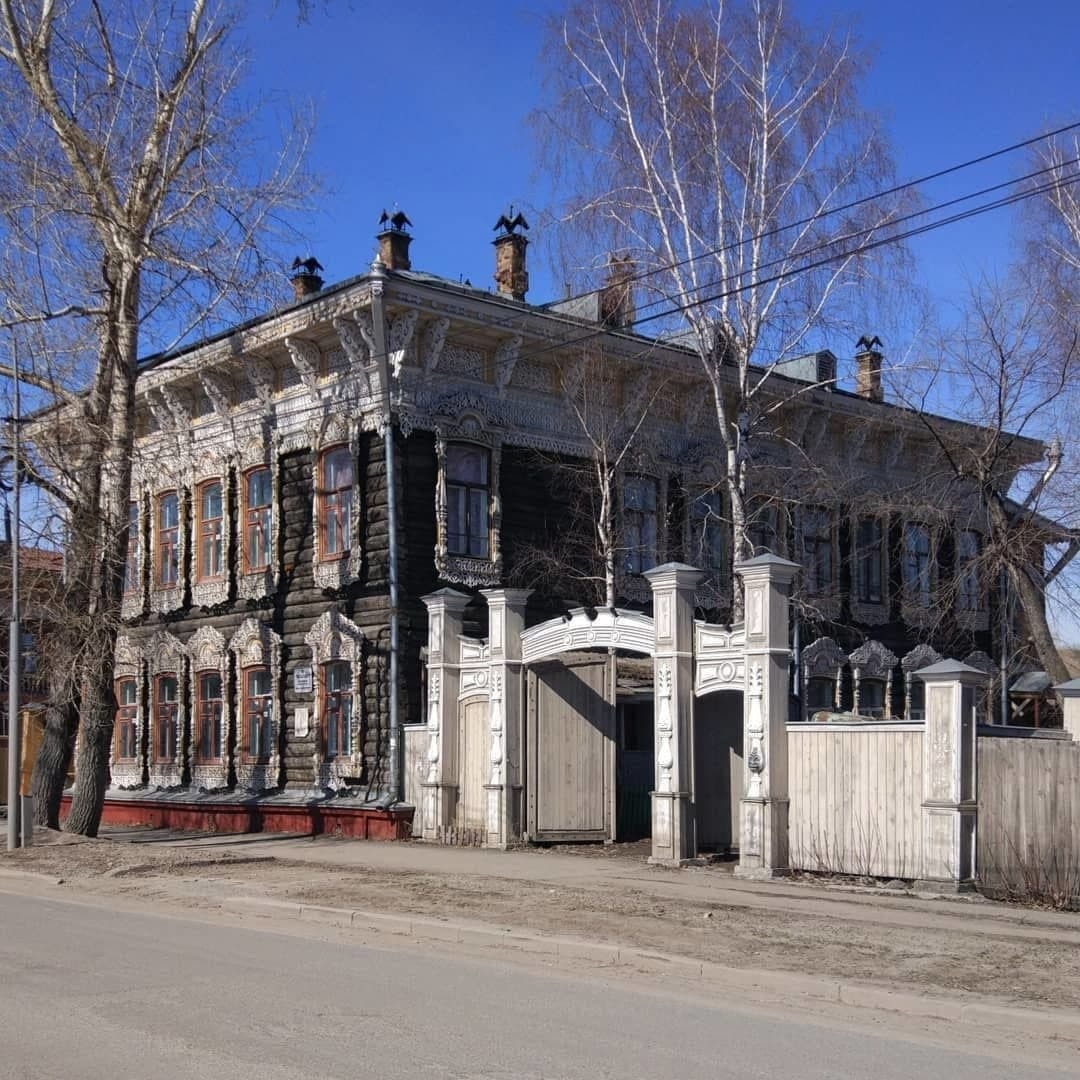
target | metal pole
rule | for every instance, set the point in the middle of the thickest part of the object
(14, 800)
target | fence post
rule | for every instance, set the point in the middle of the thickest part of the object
(949, 806)
(1069, 692)
(674, 839)
(506, 620)
(763, 824)
(445, 611)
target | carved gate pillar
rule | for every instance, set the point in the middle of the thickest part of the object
(763, 822)
(445, 611)
(674, 839)
(506, 620)
(949, 806)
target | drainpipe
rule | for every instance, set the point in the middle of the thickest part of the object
(378, 322)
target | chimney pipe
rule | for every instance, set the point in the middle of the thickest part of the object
(617, 293)
(304, 277)
(511, 277)
(868, 362)
(394, 241)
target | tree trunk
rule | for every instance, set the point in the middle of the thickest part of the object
(92, 768)
(1033, 605)
(53, 762)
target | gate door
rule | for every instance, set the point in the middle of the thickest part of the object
(571, 750)
(473, 764)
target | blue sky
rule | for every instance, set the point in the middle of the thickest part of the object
(425, 104)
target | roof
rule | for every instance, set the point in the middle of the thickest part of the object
(32, 558)
(1031, 682)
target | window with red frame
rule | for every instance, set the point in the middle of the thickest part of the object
(131, 568)
(126, 711)
(258, 518)
(337, 708)
(208, 732)
(168, 539)
(166, 703)
(258, 713)
(211, 531)
(335, 511)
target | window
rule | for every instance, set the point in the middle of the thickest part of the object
(131, 568)
(707, 539)
(258, 510)
(468, 498)
(820, 695)
(126, 709)
(208, 718)
(335, 513)
(968, 597)
(817, 544)
(168, 568)
(337, 708)
(869, 561)
(761, 529)
(210, 531)
(258, 713)
(917, 564)
(871, 697)
(165, 717)
(639, 523)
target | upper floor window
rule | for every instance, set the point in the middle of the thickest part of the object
(258, 518)
(337, 708)
(211, 530)
(869, 561)
(917, 564)
(208, 733)
(639, 523)
(168, 540)
(761, 529)
(335, 503)
(468, 500)
(817, 544)
(258, 713)
(707, 539)
(166, 704)
(131, 567)
(968, 596)
(126, 712)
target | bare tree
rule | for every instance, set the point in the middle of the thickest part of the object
(723, 146)
(136, 205)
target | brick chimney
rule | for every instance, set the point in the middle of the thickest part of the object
(868, 362)
(617, 293)
(304, 277)
(511, 277)
(394, 241)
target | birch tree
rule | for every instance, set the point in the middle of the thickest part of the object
(723, 147)
(137, 203)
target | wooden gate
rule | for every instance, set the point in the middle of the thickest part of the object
(474, 764)
(571, 749)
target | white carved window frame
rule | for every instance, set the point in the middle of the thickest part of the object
(334, 572)
(256, 645)
(332, 637)
(165, 598)
(634, 586)
(715, 591)
(464, 569)
(919, 657)
(978, 617)
(133, 603)
(165, 655)
(128, 664)
(872, 662)
(207, 652)
(862, 611)
(255, 584)
(821, 659)
(210, 591)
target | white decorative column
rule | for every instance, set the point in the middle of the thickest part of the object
(445, 610)
(763, 824)
(949, 804)
(1069, 693)
(506, 620)
(674, 837)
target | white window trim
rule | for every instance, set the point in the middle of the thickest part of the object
(212, 591)
(255, 584)
(164, 598)
(334, 573)
(165, 656)
(133, 603)
(206, 651)
(256, 645)
(128, 664)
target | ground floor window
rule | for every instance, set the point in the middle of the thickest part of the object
(126, 708)
(166, 704)
(258, 713)
(208, 742)
(337, 708)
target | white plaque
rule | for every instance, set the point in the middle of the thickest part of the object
(300, 723)
(302, 681)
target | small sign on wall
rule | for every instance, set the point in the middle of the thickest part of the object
(302, 680)
(301, 723)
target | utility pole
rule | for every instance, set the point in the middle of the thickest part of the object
(14, 797)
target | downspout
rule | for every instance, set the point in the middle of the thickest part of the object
(395, 790)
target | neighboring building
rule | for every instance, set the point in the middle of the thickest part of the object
(253, 667)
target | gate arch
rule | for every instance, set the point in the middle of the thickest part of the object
(605, 629)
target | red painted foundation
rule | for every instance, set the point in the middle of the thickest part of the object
(357, 823)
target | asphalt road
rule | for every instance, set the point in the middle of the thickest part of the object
(92, 993)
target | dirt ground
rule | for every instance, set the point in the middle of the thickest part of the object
(1022, 965)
